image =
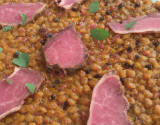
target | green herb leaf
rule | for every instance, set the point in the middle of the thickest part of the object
(130, 25)
(1, 49)
(22, 59)
(24, 18)
(99, 34)
(30, 87)
(94, 7)
(7, 28)
(7, 80)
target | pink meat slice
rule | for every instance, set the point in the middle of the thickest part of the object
(145, 24)
(12, 96)
(10, 12)
(65, 49)
(108, 104)
(67, 4)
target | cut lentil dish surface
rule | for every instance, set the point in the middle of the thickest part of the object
(65, 99)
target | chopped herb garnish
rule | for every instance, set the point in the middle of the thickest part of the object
(22, 59)
(30, 87)
(10, 82)
(94, 7)
(1, 49)
(130, 25)
(24, 18)
(7, 28)
(99, 34)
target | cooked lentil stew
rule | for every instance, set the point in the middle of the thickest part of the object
(65, 100)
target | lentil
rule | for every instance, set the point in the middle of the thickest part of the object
(120, 6)
(122, 80)
(134, 58)
(149, 67)
(108, 12)
(50, 35)
(101, 18)
(44, 41)
(137, 4)
(129, 49)
(155, 43)
(138, 43)
(120, 22)
(56, 19)
(15, 55)
(127, 65)
(107, 63)
(137, 56)
(53, 96)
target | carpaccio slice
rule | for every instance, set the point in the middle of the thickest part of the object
(65, 51)
(67, 4)
(12, 96)
(108, 105)
(10, 12)
(145, 24)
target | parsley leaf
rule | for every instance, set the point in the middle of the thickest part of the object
(7, 28)
(24, 18)
(30, 87)
(1, 49)
(22, 59)
(94, 7)
(99, 34)
(130, 25)
(7, 80)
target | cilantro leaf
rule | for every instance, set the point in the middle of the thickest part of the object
(22, 59)
(7, 28)
(94, 7)
(30, 87)
(130, 25)
(99, 34)
(24, 18)
(10, 82)
(1, 49)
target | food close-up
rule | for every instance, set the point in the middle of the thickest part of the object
(79, 62)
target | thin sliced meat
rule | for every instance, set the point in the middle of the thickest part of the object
(108, 104)
(67, 4)
(10, 12)
(12, 96)
(145, 24)
(65, 51)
